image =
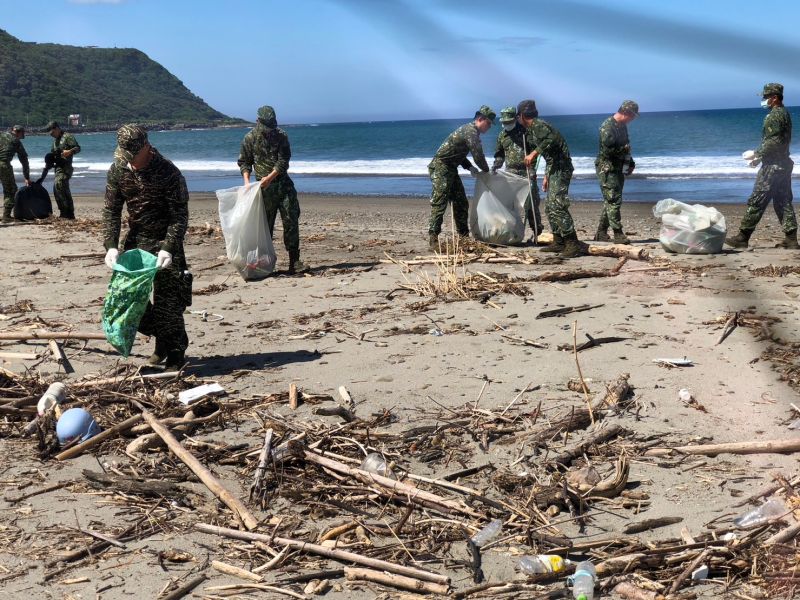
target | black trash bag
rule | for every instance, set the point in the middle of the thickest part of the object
(51, 159)
(32, 202)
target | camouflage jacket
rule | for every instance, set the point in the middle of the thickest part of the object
(614, 145)
(67, 141)
(9, 146)
(158, 209)
(454, 149)
(549, 144)
(776, 137)
(510, 149)
(266, 150)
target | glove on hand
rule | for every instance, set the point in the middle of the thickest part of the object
(164, 259)
(111, 257)
(474, 170)
(748, 155)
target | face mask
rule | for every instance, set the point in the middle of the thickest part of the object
(765, 104)
(509, 126)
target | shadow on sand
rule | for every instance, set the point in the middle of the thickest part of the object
(209, 366)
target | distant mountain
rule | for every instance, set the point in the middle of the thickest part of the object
(106, 86)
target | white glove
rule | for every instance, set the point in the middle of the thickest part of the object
(748, 155)
(474, 170)
(164, 259)
(111, 257)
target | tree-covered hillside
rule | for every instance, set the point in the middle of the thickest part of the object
(106, 86)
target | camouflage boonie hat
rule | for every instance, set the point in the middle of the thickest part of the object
(51, 125)
(508, 114)
(130, 141)
(266, 114)
(527, 108)
(629, 107)
(486, 111)
(771, 89)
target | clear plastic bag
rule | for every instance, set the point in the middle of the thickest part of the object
(496, 212)
(244, 225)
(690, 229)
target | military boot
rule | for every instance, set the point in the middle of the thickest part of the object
(602, 234)
(739, 240)
(620, 237)
(295, 264)
(7, 214)
(433, 242)
(572, 247)
(789, 242)
(176, 359)
(556, 246)
(158, 356)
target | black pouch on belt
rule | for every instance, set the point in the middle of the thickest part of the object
(186, 288)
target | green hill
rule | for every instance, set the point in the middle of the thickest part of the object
(106, 86)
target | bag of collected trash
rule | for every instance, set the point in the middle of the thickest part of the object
(127, 297)
(32, 202)
(497, 209)
(244, 225)
(690, 229)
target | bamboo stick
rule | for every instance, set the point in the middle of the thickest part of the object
(765, 447)
(397, 581)
(51, 335)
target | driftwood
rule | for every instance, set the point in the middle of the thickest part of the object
(123, 378)
(293, 396)
(236, 571)
(211, 482)
(335, 554)
(599, 437)
(100, 437)
(765, 447)
(44, 490)
(129, 485)
(559, 312)
(620, 251)
(580, 273)
(628, 591)
(51, 335)
(187, 587)
(784, 535)
(60, 357)
(730, 325)
(649, 524)
(261, 469)
(611, 486)
(397, 581)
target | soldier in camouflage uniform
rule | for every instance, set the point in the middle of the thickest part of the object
(443, 170)
(511, 150)
(774, 180)
(158, 214)
(11, 144)
(64, 148)
(546, 141)
(266, 148)
(613, 164)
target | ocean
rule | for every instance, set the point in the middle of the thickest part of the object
(693, 156)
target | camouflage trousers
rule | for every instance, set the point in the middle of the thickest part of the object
(611, 184)
(163, 317)
(62, 193)
(447, 187)
(281, 197)
(773, 182)
(532, 202)
(556, 204)
(9, 185)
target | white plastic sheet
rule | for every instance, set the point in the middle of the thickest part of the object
(497, 209)
(690, 229)
(244, 225)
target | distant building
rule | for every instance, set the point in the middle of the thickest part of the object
(75, 120)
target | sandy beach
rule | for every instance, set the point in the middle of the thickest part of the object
(439, 385)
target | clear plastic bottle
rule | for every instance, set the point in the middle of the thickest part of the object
(55, 394)
(771, 509)
(375, 463)
(583, 581)
(488, 533)
(542, 563)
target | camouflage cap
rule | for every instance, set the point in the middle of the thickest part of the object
(52, 125)
(527, 108)
(629, 107)
(16, 128)
(266, 114)
(772, 89)
(131, 138)
(508, 114)
(486, 111)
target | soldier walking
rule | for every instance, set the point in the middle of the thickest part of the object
(158, 214)
(266, 149)
(510, 149)
(64, 148)
(546, 141)
(11, 144)
(613, 164)
(774, 179)
(443, 171)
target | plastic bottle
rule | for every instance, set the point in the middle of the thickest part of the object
(771, 509)
(488, 533)
(583, 581)
(51, 400)
(542, 563)
(375, 463)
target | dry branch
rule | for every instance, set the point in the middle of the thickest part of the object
(765, 447)
(397, 581)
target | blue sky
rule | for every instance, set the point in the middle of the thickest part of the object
(359, 60)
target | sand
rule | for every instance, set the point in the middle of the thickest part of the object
(334, 326)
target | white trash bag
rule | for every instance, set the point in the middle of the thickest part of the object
(497, 209)
(244, 225)
(690, 229)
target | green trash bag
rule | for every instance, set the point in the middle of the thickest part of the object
(127, 298)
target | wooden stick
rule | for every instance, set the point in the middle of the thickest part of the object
(263, 461)
(20, 355)
(346, 396)
(44, 490)
(628, 591)
(293, 396)
(397, 581)
(187, 587)
(730, 325)
(560, 312)
(676, 585)
(100, 437)
(236, 571)
(765, 447)
(61, 358)
(52, 335)
(620, 251)
(211, 482)
(580, 373)
(784, 535)
(599, 437)
(123, 378)
(340, 555)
